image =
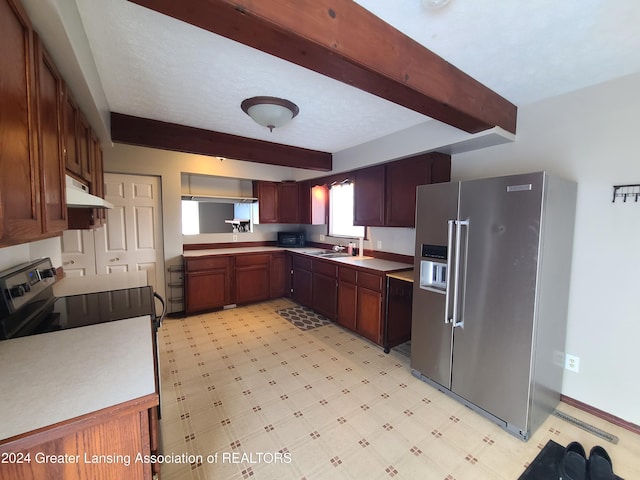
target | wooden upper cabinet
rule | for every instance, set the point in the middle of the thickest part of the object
(97, 184)
(49, 87)
(369, 196)
(20, 216)
(72, 160)
(267, 195)
(85, 149)
(288, 202)
(313, 203)
(402, 179)
(278, 202)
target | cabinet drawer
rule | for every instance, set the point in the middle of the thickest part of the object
(206, 263)
(347, 274)
(325, 268)
(302, 262)
(253, 259)
(370, 281)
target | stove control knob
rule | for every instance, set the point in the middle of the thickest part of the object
(17, 291)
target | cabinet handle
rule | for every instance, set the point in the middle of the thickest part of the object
(116, 259)
(70, 262)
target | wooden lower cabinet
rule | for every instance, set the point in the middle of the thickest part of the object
(360, 301)
(369, 317)
(113, 443)
(325, 288)
(252, 278)
(302, 281)
(213, 281)
(347, 297)
(208, 282)
(280, 278)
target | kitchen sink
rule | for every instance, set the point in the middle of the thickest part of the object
(329, 254)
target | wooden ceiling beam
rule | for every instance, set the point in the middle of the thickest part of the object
(344, 41)
(170, 136)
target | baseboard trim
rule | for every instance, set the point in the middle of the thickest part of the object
(596, 412)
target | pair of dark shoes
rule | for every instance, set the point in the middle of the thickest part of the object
(575, 466)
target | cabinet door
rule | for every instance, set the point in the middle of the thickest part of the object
(279, 283)
(70, 147)
(207, 282)
(369, 315)
(85, 150)
(19, 181)
(252, 278)
(98, 179)
(347, 304)
(325, 295)
(302, 284)
(49, 107)
(369, 197)
(207, 289)
(402, 179)
(288, 202)
(267, 195)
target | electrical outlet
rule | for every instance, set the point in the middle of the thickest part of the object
(235, 238)
(572, 363)
(379, 245)
(322, 238)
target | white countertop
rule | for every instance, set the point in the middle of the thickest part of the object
(57, 376)
(406, 275)
(363, 262)
(99, 283)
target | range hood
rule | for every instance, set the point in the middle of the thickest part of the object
(79, 197)
(218, 199)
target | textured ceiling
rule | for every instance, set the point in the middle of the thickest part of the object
(156, 67)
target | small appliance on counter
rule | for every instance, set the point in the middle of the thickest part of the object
(291, 239)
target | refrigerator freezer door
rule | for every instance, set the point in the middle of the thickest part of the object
(430, 335)
(492, 351)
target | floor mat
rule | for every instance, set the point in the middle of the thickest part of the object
(546, 465)
(304, 318)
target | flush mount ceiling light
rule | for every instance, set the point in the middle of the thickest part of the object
(270, 112)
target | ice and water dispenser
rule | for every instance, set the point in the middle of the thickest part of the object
(433, 268)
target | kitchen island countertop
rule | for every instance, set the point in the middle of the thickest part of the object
(54, 377)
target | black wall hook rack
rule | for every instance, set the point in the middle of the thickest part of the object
(624, 191)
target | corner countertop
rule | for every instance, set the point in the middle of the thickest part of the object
(406, 275)
(57, 376)
(99, 283)
(362, 262)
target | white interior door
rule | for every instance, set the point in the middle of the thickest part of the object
(78, 253)
(132, 238)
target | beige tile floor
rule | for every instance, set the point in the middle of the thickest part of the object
(251, 396)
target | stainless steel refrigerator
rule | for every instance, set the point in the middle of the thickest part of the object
(492, 263)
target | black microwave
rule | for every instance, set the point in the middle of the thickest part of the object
(290, 239)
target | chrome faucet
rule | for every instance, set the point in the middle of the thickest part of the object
(338, 248)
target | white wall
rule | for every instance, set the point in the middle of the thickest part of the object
(14, 255)
(589, 136)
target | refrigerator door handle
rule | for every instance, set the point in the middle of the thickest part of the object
(447, 300)
(456, 281)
